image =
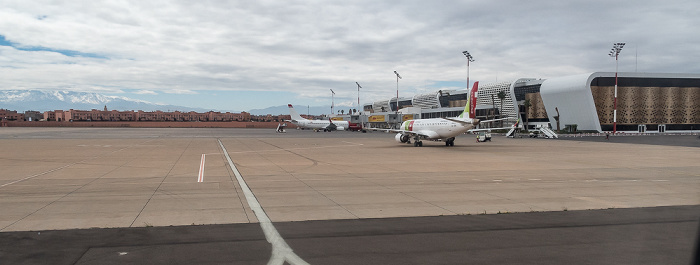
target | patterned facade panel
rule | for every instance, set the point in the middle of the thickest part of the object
(674, 106)
(692, 109)
(650, 100)
(537, 110)
(648, 105)
(485, 97)
(603, 99)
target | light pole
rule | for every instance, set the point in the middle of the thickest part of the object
(469, 59)
(358, 94)
(615, 52)
(397, 96)
(332, 101)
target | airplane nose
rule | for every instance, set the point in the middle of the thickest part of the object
(476, 122)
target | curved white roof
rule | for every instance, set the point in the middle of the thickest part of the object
(572, 96)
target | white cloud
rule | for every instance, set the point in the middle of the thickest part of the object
(308, 47)
(146, 92)
(181, 91)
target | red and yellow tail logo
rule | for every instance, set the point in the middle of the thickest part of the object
(470, 108)
(408, 125)
(472, 100)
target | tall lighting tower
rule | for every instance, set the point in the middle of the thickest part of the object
(358, 94)
(332, 101)
(397, 96)
(469, 59)
(615, 52)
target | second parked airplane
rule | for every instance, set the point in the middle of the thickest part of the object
(318, 125)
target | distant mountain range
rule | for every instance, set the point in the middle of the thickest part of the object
(38, 100)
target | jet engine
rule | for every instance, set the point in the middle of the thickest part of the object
(402, 138)
(340, 128)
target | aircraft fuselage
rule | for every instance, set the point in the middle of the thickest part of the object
(436, 129)
(321, 124)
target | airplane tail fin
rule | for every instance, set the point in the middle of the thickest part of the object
(470, 108)
(295, 115)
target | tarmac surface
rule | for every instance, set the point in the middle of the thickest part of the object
(171, 196)
(669, 140)
(661, 235)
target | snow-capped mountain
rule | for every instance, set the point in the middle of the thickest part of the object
(38, 100)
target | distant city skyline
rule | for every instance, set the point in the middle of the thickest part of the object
(239, 56)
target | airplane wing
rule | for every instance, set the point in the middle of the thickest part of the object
(460, 121)
(487, 121)
(331, 126)
(489, 129)
(411, 133)
(384, 130)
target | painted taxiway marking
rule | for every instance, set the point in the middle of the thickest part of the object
(281, 252)
(200, 178)
(62, 167)
(40, 174)
(350, 144)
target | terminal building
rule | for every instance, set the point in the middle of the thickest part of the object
(646, 102)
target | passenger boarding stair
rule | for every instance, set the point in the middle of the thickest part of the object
(511, 132)
(548, 132)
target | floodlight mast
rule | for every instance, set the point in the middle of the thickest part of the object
(615, 52)
(397, 98)
(358, 94)
(469, 59)
(332, 101)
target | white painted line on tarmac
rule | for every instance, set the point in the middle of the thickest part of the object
(281, 252)
(200, 178)
(59, 168)
(40, 174)
(299, 148)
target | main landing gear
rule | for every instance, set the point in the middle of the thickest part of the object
(450, 142)
(417, 142)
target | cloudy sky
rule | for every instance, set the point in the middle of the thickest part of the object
(241, 55)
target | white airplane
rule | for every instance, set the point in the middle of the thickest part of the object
(317, 125)
(439, 129)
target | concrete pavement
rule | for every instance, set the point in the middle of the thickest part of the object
(148, 177)
(76, 178)
(659, 235)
